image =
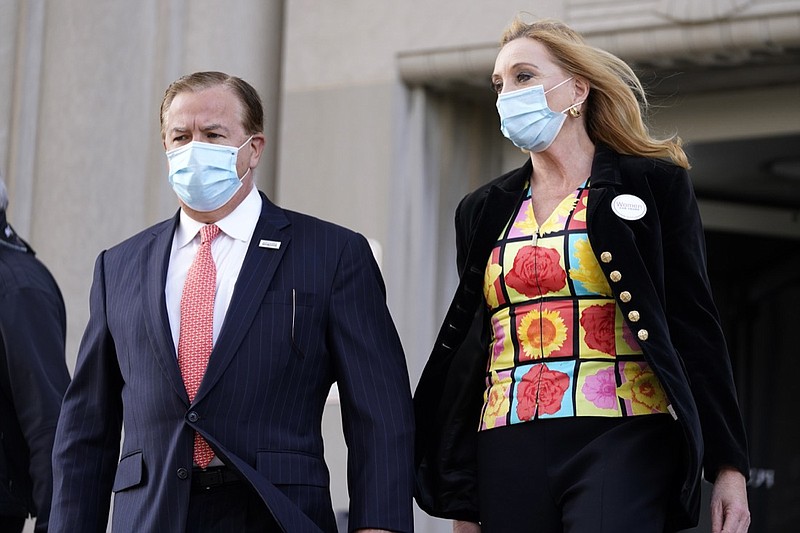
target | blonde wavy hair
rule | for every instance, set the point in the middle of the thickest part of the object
(617, 100)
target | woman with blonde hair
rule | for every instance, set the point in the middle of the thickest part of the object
(580, 381)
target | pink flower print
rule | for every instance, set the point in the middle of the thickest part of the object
(629, 338)
(499, 338)
(601, 389)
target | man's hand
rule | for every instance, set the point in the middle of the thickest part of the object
(459, 526)
(729, 511)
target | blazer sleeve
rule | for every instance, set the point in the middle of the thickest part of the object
(32, 329)
(696, 331)
(88, 436)
(374, 388)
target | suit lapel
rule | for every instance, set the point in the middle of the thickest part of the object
(495, 214)
(258, 269)
(605, 179)
(155, 261)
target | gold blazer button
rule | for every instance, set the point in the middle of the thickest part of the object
(625, 296)
(633, 316)
(642, 334)
(605, 257)
(615, 276)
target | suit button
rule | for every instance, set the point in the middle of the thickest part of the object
(605, 257)
(633, 316)
(615, 276)
(625, 296)
(193, 417)
(182, 473)
(642, 334)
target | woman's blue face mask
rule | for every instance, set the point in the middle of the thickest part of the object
(527, 121)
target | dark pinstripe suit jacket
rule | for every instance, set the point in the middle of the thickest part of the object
(302, 316)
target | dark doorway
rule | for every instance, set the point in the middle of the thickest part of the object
(756, 283)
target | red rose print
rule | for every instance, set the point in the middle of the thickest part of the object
(551, 390)
(526, 395)
(536, 271)
(598, 322)
(548, 385)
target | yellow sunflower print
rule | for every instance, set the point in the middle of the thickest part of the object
(541, 333)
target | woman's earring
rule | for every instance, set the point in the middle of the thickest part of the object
(574, 112)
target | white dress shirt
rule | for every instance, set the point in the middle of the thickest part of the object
(228, 251)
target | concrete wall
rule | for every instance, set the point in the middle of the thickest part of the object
(80, 146)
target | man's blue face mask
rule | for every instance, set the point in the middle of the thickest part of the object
(203, 175)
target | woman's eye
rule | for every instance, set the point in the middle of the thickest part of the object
(523, 77)
(497, 87)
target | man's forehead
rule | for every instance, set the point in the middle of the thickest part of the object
(207, 108)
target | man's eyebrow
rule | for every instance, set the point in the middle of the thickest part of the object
(214, 126)
(207, 127)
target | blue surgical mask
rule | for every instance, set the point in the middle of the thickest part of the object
(527, 121)
(203, 175)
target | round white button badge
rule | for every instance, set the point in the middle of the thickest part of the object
(628, 207)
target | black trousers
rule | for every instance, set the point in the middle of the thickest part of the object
(231, 507)
(576, 475)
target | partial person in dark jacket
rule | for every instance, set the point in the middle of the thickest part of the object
(33, 378)
(580, 381)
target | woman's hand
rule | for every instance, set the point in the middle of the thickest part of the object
(729, 511)
(460, 526)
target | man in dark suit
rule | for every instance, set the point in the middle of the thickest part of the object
(33, 378)
(214, 338)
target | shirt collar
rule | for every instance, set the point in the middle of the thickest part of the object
(239, 224)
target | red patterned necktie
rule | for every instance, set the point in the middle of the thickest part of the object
(197, 327)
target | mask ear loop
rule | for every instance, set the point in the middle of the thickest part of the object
(247, 141)
(557, 85)
(237, 152)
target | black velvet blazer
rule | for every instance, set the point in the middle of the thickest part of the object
(663, 291)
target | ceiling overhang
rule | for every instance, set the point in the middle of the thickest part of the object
(759, 38)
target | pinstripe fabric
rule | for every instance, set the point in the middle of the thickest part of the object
(302, 316)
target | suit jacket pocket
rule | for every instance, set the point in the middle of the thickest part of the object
(292, 468)
(292, 317)
(129, 472)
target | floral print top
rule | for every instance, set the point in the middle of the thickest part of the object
(560, 347)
